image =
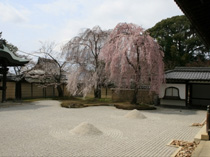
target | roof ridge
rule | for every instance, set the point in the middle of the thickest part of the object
(192, 69)
(189, 73)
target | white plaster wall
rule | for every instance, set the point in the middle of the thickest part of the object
(181, 88)
(173, 102)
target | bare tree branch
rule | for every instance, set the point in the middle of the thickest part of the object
(83, 52)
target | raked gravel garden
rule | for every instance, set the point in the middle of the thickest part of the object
(44, 128)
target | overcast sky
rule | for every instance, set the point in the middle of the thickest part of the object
(26, 22)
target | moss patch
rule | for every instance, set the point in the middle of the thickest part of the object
(73, 105)
(80, 103)
(132, 107)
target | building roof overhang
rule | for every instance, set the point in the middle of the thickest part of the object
(198, 13)
(188, 74)
(8, 57)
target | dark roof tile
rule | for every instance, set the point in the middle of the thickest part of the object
(188, 73)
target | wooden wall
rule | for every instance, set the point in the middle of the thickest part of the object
(10, 92)
(105, 93)
(31, 90)
(144, 96)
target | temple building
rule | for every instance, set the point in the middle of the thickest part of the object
(8, 58)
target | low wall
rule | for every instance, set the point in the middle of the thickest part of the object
(31, 90)
(126, 95)
(10, 92)
(105, 93)
(172, 102)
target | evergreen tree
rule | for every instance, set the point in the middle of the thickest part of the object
(180, 43)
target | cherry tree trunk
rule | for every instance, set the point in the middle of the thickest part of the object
(97, 92)
(60, 91)
(135, 95)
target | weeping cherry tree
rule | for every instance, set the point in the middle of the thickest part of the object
(133, 58)
(86, 70)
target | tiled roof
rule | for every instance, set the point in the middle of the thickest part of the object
(189, 73)
(8, 56)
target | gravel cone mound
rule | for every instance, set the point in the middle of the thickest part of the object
(135, 114)
(85, 129)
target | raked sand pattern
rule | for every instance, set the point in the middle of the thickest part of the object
(45, 129)
(86, 129)
(135, 114)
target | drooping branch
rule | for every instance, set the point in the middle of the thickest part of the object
(83, 54)
(132, 56)
(130, 63)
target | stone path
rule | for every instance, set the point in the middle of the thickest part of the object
(43, 129)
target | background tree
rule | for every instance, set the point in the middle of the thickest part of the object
(179, 41)
(57, 72)
(49, 70)
(133, 59)
(86, 70)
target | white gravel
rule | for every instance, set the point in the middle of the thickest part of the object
(135, 114)
(44, 129)
(85, 129)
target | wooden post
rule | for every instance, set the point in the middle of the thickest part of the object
(18, 91)
(208, 121)
(4, 84)
(190, 95)
(187, 99)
